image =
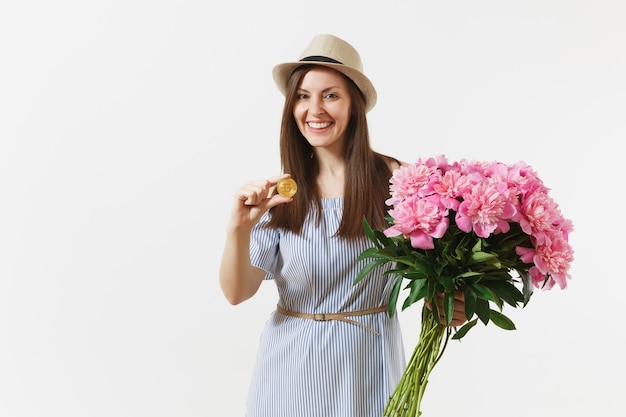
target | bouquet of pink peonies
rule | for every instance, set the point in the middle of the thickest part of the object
(487, 230)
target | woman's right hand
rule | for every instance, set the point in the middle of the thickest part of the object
(253, 199)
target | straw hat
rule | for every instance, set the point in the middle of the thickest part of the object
(332, 52)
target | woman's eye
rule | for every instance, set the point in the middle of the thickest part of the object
(302, 96)
(331, 95)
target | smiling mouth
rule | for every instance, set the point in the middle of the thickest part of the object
(319, 125)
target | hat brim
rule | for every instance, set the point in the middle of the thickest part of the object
(282, 72)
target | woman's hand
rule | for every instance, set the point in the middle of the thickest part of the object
(255, 198)
(458, 316)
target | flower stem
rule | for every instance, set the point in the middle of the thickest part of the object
(407, 397)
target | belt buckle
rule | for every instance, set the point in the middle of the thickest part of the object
(319, 317)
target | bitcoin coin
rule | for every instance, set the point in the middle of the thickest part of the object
(287, 187)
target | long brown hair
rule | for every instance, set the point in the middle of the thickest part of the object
(367, 176)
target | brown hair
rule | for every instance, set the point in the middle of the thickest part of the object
(367, 175)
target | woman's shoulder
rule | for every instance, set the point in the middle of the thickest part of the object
(401, 164)
(391, 162)
(394, 163)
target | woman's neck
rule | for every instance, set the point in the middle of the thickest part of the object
(331, 177)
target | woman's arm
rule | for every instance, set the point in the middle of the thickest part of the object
(239, 279)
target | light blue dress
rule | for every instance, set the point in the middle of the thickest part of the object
(308, 368)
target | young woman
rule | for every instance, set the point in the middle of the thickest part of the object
(330, 348)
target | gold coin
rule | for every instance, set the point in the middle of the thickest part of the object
(287, 187)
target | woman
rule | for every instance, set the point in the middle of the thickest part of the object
(330, 348)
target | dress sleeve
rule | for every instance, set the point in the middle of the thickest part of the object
(264, 247)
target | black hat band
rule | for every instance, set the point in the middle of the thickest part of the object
(319, 58)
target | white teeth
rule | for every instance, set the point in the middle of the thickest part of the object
(319, 125)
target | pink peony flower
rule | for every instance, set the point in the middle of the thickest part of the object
(485, 209)
(538, 213)
(421, 220)
(553, 257)
(408, 181)
(451, 186)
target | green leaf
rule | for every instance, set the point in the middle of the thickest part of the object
(370, 233)
(448, 306)
(482, 292)
(369, 254)
(447, 282)
(367, 269)
(527, 286)
(431, 289)
(463, 330)
(470, 302)
(414, 275)
(501, 320)
(430, 296)
(393, 296)
(484, 257)
(482, 310)
(417, 292)
(469, 275)
(418, 296)
(507, 291)
(497, 300)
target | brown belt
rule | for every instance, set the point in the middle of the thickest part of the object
(336, 316)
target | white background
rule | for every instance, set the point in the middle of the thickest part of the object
(125, 127)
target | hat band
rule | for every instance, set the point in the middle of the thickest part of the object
(319, 58)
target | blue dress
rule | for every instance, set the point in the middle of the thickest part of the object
(308, 368)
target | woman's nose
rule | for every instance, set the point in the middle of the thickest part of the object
(317, 107)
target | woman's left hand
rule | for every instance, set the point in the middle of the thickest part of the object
(458, 316)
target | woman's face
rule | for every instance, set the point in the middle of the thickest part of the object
(322, 107)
